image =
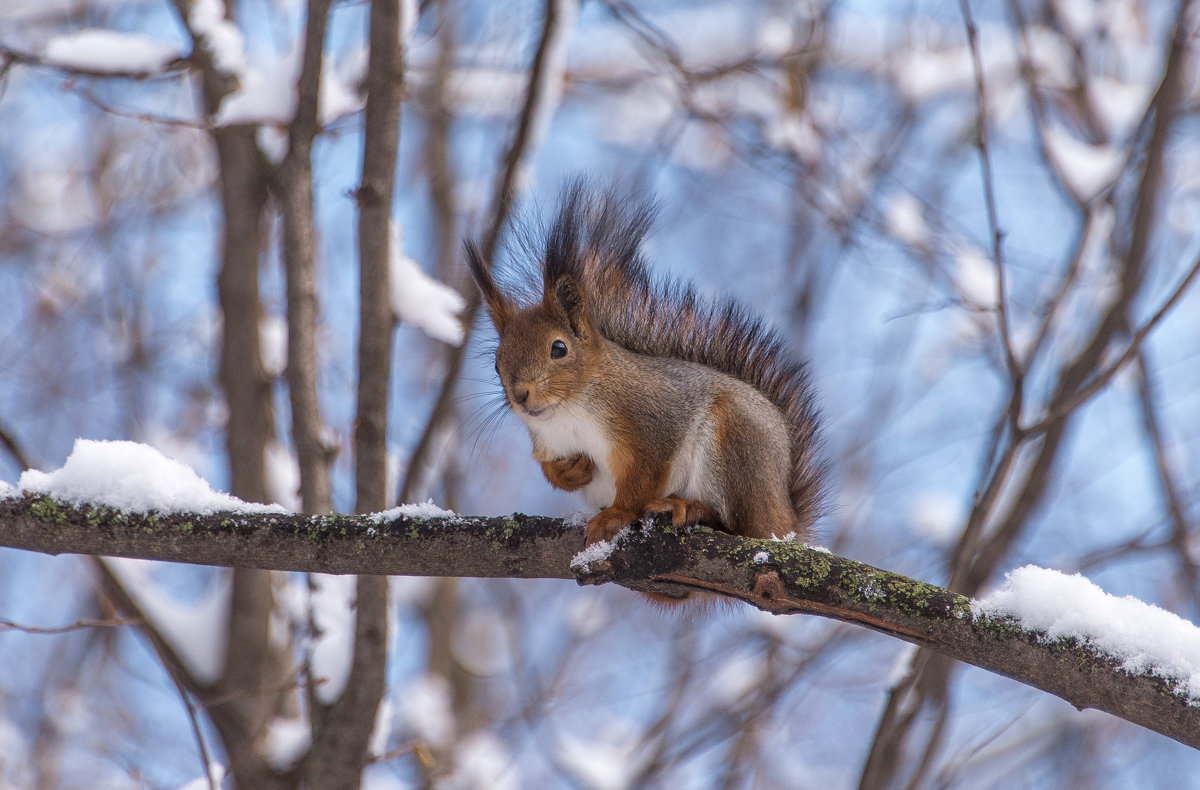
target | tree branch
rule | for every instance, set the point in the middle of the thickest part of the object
(778, 577)
(294, 191)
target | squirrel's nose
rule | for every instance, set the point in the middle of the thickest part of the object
(520, 394)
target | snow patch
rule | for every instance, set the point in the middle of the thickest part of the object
(1143, 637)
(410, 591)
(904, 217)
(482, 760)
(607, 762)
(975, 275)
(1081, 18)
(427, 710)
(1119, 104)
(900, 666)
(215, 778)
(937, 515)
(422, 301)
(273, 344)
(579, 518)
(8, 491)
(332, 600)
(761, 558)
(795, 134)
(480, 643)
(737, 676)
(135, 478)
(219, 36)
(287, 741)
(409, 12)
(923, 74)
(422, 511)
(775, 37)
(267, 93)
(586, 615)
(109, 52)
(381, 734)
(282, 472)
(1087, 170)
(195, 630)
(600, 550)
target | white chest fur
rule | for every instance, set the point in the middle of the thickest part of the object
(563, 434)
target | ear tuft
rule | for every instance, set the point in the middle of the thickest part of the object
(570, 299)
(499, 308)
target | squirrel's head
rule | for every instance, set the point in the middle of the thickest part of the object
(548, 351)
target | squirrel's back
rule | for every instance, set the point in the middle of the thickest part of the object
(596, 238)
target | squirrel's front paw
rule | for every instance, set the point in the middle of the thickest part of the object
(606, 524)
(571, 473)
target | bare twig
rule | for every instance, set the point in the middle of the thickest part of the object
(194, 720)
(1101, 379)
(1173, 499)
(14, 448)
(1016, 374)
(91, 98)
(9, 625)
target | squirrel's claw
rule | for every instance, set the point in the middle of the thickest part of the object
(571, 473)
(684, 512)
(606, 524)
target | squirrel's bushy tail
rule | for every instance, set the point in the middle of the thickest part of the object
(596, 238)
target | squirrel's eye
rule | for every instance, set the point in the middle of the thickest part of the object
(558, 349)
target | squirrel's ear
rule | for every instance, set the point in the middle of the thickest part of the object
(570, 300)
(499, 308)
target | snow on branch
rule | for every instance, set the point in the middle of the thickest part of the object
(132, 477)
(420, 300)
(101, 51)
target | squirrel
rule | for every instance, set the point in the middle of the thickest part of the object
(646, 397)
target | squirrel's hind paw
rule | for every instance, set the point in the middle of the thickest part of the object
(684, 512)
(606, 524)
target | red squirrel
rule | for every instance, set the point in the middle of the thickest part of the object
(646, 397)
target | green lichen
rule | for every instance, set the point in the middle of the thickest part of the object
(919, 599)
(47, 509)
(500, 536)
(1002, 626)
(806, 568)
(316, 530)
